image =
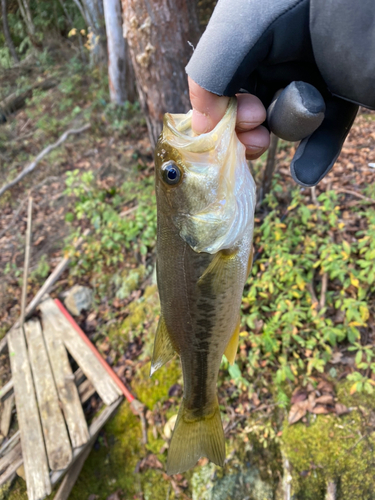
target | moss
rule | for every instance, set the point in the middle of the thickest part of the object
(333, 448)
(110, 466)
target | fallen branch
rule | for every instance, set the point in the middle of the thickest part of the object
(41, 155)
(51, 280)
(354, 193)
(16, 101)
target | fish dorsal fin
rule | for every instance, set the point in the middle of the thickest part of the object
(163, 348)
(231, 349)
(218, 270)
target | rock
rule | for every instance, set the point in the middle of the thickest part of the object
(245, 484)
(77, 299)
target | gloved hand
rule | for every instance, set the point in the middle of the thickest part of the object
(262, 46)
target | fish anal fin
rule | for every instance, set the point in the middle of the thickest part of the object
(232, 346)
(163, 348)
(196, 438)
(219, 269)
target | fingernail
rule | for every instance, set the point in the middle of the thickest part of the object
(200, 122)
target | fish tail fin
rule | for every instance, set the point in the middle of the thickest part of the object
(196, 438)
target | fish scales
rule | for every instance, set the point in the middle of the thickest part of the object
(205, 199)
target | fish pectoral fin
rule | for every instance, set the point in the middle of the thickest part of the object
(163, 348)
(193, 439)
(231, 349)
(219, 269)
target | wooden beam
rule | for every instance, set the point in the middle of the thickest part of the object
(94, 429)
(91, 366)
(6, 415)
(64, 378)
(33, 451)
(56, 438)
(71, 476)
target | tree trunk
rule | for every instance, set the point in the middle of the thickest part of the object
(8, 38)
(94, 16)
(116, 51)
(159, 34)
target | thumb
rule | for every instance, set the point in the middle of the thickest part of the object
(208, 108)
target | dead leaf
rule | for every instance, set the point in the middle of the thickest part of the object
(299, 395)
(297, 412)
(311, 401)
(117, 495)
(341, 409)
(149, 462)
(336, 358)
(93, 497)
(325, 387)
(255, 399)
(320, 410)
(326, 399)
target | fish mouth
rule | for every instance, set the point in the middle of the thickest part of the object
(179, 133)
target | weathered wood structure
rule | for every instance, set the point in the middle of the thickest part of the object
(53, 438)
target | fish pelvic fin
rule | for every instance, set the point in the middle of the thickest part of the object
(250, 263)
(163, 348)
(196, 438)
(231, 349)
(219, 271)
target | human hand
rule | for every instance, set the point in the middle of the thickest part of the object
(208, 110)
(263, 45)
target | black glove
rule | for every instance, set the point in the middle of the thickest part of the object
(262, 46)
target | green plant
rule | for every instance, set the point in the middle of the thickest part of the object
(115, 232)
(289, 332)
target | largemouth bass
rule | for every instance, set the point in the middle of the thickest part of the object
(205, 200)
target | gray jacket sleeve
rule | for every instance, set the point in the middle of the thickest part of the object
(234, 29)
(239, 37)
(343, 39)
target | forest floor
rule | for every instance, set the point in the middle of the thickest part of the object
(308, 325)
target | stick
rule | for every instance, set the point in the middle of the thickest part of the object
(29, 168)
(322, 301)
(27, 262)
(51, 280)
(22, 204)
(354, 193)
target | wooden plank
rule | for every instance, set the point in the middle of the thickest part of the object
(9, 445)
(64, 378)
(10, 472)
(86, 390)
(8, 387)
(56, 437)
(94, 429)
(6, 415)
(14, 454)
(33, 451)
(71, 476)
(47, 285)
(91, 366)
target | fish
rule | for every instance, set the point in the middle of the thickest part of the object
(205, 197)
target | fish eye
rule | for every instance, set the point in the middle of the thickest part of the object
(171, 173)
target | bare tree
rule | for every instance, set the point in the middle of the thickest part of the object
(160, 34)
(8, 38)
(24, 6)
(94, 16)
(116, 51)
